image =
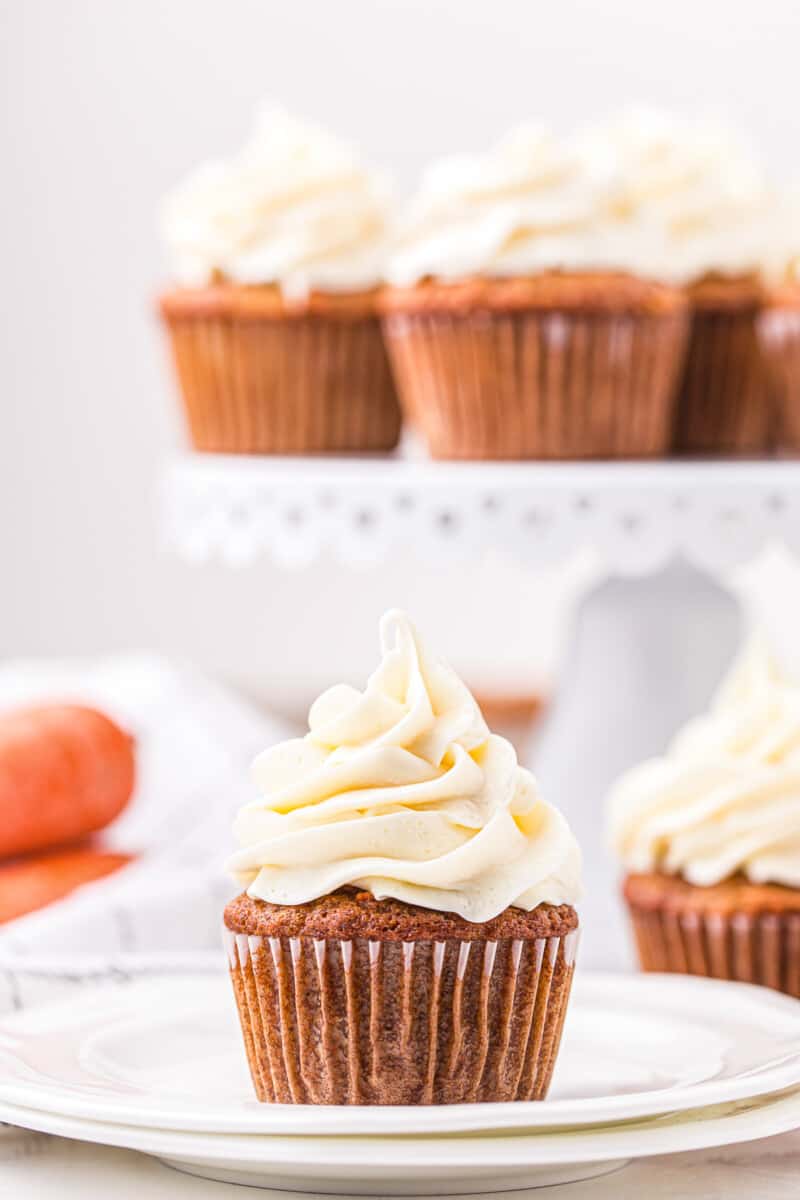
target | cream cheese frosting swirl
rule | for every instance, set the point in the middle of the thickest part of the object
(402, 791)
(294, 207)
(726, 798)
(694, 193)
(529, 204)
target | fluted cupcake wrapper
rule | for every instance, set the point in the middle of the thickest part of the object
(328, 1021)
(779, 331)
(290, 385)
(750, 948)
(538, 384)
(725, 396)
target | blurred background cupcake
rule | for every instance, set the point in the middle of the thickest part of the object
(710, 836)
(277, 253)
(779, 324)
(707, 201)
(518, 323)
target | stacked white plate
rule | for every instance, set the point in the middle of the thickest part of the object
(649, 1065)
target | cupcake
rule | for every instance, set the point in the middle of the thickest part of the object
(779, 327)
(710, 836)
(407, 933)
(516, 319)
(701, 191)
(277, 256)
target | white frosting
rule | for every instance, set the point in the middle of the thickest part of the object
(401, 790)
(696, 189)
(726, 798)
(294, 207)
(782, 263)
(529, 204)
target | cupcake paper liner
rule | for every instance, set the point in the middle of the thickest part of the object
(725, 403)
(329, 1021)
(538, 384)
(283, 384)
(779, 331)
(751, 948)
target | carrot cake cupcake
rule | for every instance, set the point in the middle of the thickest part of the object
(517, 320)
(710, 836)
(407, 930)
(706, 200)
(277, 256)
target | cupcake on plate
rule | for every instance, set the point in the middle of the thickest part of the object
(779, 325)
(277, 255)
(517, 320)
(407, 933)
(702, 191)
(710, 836)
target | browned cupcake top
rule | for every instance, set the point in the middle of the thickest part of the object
(351, 914)
(574, 291)
(728, 292)
(264, 302)
(657, 891)
(785, 295)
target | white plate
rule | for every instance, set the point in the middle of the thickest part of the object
(417, 1166)
(167, 1052)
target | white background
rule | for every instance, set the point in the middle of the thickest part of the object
(107, 104)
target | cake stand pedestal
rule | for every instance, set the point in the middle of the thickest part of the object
(650, 641)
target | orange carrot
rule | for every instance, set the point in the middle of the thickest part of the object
(65, 771)
(32, 882)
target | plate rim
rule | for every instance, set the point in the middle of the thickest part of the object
(343, 1120)
(734, 1125)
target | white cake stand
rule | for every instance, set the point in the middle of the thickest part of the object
(636, 516)
(650, 641)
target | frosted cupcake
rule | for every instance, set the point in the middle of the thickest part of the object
(407, 932)
(710, 837)
(518, 323)
(702, 192)
(277, 254)
(779, 324)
